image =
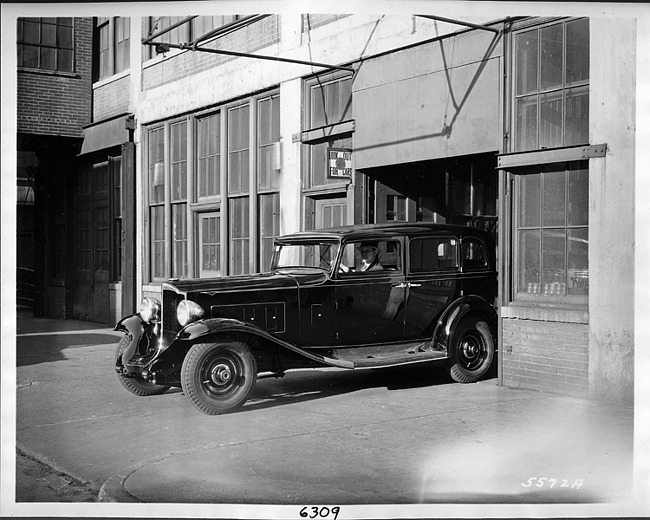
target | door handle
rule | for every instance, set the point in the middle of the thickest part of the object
(414, 284)
(400, 285)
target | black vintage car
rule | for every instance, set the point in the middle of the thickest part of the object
(354, 297)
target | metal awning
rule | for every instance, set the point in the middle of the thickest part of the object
(162, 47)
(106, 134)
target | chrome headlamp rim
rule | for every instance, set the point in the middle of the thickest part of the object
(149, 309)
(188, 311)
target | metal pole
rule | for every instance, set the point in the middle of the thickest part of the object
(459, 22)
(258, 56)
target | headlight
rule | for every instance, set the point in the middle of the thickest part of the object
(149, 309)
(188, 311)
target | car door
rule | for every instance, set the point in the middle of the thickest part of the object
(433, 282)
(369, 304)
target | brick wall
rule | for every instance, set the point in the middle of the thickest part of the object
(256, 36)
(543, 355)
(111, 99)
(51, 103)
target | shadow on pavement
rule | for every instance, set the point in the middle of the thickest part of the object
(312, 384)
(42, 340)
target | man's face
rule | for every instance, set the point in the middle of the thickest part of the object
(368, 253)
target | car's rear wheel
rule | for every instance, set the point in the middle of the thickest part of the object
(218, 377)
(472, 351)
(133, 384)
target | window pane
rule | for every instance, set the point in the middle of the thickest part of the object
(430, 254)
(158, 242)
(239, 235)
(527, 51)
(65, 61)
(179, 240)
(578, 211)
(269, 227)
(551, 57)
(529, 200)
(209, 172)
(554, 208)
(577, 51)
(179, 161)
(553, 261)
(156, 166)
(526, 123)
(48, 35)
(550, 126)
(529, 261)
(577, 116)
(31, 32)
(48, 58)
(65, 37)
(238, 139)
(30, 56)
(578, 261)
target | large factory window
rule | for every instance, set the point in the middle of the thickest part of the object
(551, 89)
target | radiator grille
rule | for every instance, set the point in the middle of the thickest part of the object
(170, 301)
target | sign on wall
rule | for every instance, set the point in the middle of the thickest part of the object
(339, 163)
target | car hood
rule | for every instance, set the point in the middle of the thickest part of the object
(274, 280)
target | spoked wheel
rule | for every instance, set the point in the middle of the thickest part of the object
(135, 385)
(218, 377)
(472, 351)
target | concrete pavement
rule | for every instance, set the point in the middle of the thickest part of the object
(344, 438)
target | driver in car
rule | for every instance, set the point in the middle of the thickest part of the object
(368, 259)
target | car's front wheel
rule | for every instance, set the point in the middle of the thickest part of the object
(472, 351)
(218, 377)
(133, 384)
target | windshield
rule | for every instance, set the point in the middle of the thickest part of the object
(305, 254)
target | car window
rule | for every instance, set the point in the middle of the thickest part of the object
(366, 256)
(474, 256)
(433, 254)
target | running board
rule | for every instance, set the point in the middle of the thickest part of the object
(388, 356)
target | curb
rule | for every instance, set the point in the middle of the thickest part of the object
(113, 489)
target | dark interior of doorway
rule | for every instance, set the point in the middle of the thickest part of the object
(454, 190)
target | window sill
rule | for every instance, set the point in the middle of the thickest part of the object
(46, 72)
(530, 311)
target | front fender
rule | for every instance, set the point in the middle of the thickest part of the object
(459, 309)
(141, 337)
(215, 326)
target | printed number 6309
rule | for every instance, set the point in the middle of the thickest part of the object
(320, 512)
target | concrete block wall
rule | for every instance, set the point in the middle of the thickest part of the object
(548, 356)
(58, 103)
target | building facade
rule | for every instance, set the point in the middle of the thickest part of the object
(211, 135)
(54, 58)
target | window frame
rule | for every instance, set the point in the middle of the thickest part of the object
(429, 270)
(57, 48)
(564, 89)
(540, 295)
(335, 134)
(253, 232)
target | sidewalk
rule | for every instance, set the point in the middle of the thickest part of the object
(378, 441)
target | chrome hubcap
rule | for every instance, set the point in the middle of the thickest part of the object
(221, 374)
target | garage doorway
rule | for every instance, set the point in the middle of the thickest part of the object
(96, 225)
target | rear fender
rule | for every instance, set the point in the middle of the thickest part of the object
(141, 338)
(464, 306)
